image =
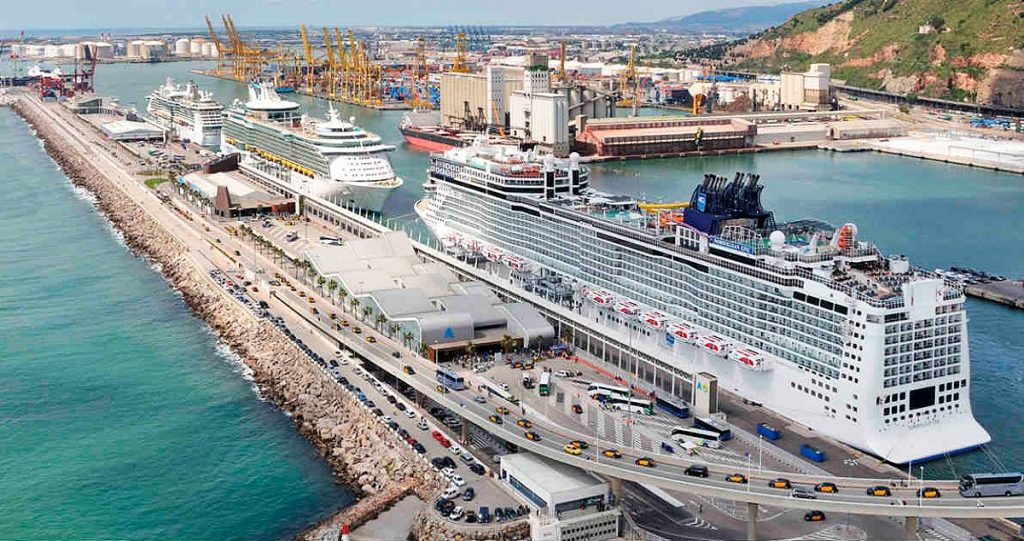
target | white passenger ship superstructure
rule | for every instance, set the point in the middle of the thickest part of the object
(331, 159)
(803, 317)
(191, 114)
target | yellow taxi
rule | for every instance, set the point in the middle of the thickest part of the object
(826, 487)
(333, 316)
(441, 389)
(577, 409)
(571, 449)
(357, 330)
(929, 492)
(780, 483)
(345, 323)
(302, 293)
(879, 491)
(579, 444)
(611, 453)
(814, 516)
(646, 462)
(528, 366)
(737, 478)
(311, 300)
(408, 370)
(502, 410)
(371, 339)
(525, 423)
(532, 436)
(495, 419)
(517, 365)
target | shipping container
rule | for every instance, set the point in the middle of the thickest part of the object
(812, 453)
(768, 432)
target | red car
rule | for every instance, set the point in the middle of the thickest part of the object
(444, 443)
(410, 440)
(437, 435)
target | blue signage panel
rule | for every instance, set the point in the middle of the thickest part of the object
(732, 245)
(702, 201)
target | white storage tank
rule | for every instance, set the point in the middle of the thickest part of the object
(135, 48)
(51, 51)
(181, 47)
(209, 50)
(195, 46)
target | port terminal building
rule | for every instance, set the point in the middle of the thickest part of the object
(567, 503)
(639, 136)
(422, 304)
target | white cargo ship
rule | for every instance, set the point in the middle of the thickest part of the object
(806, 318)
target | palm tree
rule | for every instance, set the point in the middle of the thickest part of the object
(407, 338)
(381, 318)
(343, 294)
(366, 312)
(353, 304)
(332, 284)
(320, 281)
(392, 329)
(507, 343)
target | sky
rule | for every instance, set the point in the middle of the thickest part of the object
(108, 14)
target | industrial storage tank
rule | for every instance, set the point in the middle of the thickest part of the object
(209, 50)
(51, 51)
(181, 47)
(135, 48)
(195, 46)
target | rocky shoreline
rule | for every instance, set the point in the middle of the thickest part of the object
(363, 453)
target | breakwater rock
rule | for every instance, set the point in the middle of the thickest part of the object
(363, 452)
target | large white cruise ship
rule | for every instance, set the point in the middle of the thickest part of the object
(330, 159)
(803, 317)
(190, 113)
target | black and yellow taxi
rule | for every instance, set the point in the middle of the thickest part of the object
(645, 461)
(345, 323)
(333, 316)
(441, 389)
(532, 436)
(879, 491)
(371, 339)
(611, 453)
(579, 444)
(502, 410)
(357, 330)
(928, 492)
(780, 483)
(826, 487)
(525, 423)
(814, 516)
(495, 419)
(736, 478)
(577, 409)
(408, 370)
(311, 299)
(571, 449)
(528, 366)
(517, 365)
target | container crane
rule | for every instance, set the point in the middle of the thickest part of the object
(332, 63)
(308, 52)
(460, 66)
(222, 52)
(629, 84)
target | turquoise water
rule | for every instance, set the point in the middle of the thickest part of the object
(119, 415)
(938, 214)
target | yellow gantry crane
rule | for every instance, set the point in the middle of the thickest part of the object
(330, 74)
(460, 65)
(308, 52)
(419, 79)
(629, 84)
(222, 52)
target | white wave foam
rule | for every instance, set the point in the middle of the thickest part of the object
(239, 367)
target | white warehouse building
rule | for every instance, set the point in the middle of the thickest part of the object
(569, 504)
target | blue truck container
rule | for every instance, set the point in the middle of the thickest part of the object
(768, 432)
(813, 453)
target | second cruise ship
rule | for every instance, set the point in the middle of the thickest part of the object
(804, 317)
(191, 114)
(331, 158)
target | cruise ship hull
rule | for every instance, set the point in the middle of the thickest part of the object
(433, 142)
(777, 388)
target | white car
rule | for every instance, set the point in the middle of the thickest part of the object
(456, 513)
(457, 480)
(343, 361)
(448, 472)
(455, 449)
(422, 425)
(386, 419)
(410, 414)
(450, 493)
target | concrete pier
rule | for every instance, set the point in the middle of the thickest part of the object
(1008, 292)
(751, 522)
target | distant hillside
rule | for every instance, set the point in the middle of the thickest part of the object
(742, 20)
(956, 49)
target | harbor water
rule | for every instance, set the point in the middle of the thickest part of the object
(121, 418)
(240, 456)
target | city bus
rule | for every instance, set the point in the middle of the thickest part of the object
(713, 425)
(450, 379)
(704, 438)
(978, 485)
(544, 387)
(601, 391)
(494, 390)
(673, 406)
(630, 404)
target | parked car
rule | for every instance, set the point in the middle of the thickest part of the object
(468, 494)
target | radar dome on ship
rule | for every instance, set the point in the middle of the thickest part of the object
(777, 239)
(549, 162)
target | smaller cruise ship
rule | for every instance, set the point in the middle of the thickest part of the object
(189, 113)
(329, 158)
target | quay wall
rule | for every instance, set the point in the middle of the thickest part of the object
(363, 452)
